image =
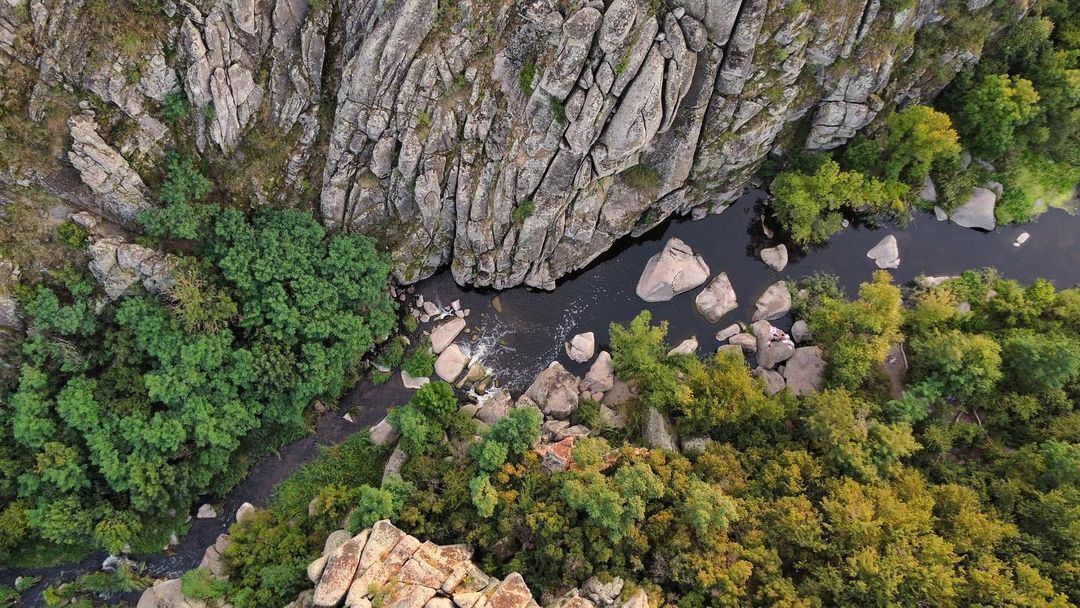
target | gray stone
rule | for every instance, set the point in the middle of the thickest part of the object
(686, 347)
(775, 257)
(338, 572)
(728, 332)
(394, 463)
(978, 211)
(774, 303)
(494, 406)
(717, 299)
(803, 371)
(451, 363)
(695, 445)
(601, 376)
(885, 254)
(118, 189)
(581, 347)
(773, 345)
(745, 341)
(206, 512)
(244, 512)
(772, 381)
(658, 432)
(940, 214)
(554, 391)
(1021, 239)
(800, 331)
(119, 266)
(444, 335)
(412, 383)
(383, 433)
(928, 192)
(676, 269)
(604, 594)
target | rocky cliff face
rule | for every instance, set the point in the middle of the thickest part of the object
(515, 140)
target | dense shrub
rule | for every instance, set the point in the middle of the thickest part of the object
(811, 206)
(123, 414)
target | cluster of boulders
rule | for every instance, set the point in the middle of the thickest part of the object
(977, 211)
(555, 392)
(384, 566)
(454, 363)
(169, 593)
(782, 360)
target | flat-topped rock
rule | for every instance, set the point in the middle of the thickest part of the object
(886, 254)
(676, 269)
(337, 574)
(775, 257)
(803, 371)
(978, 211)
(451, 363)
(774, 303)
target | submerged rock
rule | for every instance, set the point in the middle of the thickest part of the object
(676, 269)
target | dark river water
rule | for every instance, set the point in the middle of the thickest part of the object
(530, 331)
(532, 326)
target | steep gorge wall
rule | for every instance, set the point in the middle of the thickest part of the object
(515, 140)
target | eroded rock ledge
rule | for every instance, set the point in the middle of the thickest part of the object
(515, 140)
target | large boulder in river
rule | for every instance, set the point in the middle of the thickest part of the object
(674, 270)
(581, 347)
(658, 432)
(978, 211)
(686, 347)
(774, 303)
(775, 257)
(554, 392)
(451, 363)
(885, 254)
(717, 299)
(444, 335)
(804, 369)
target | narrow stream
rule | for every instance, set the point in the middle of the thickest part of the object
(518, 332)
